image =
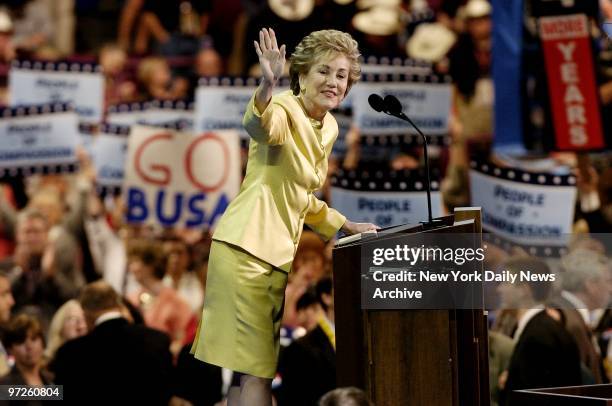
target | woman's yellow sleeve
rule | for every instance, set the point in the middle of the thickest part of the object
(324, 220)
(270, 127)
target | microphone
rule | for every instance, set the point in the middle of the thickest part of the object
(376, 102)
(392, 106)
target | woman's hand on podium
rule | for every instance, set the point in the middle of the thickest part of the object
(350, 228)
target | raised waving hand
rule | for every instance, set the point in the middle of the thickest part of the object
(271, 57)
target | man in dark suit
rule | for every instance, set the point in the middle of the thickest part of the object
(586, 287)
(308, 366)
(545, 354)
(117, 362)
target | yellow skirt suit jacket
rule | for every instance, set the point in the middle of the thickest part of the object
(256, 239)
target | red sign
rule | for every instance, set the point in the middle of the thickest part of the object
(572, 88)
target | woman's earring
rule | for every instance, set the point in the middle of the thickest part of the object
(302, 89)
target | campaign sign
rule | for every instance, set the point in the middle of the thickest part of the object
(383, 200)
(221, 107)
(38, 136)
(42, 82)
(427, 104)
(178, 179)
(87, 135)
(154, 113)
(574, 95)
(525, 207)
(161, 112)
(127, 114)
(220, 104)
(109, 153)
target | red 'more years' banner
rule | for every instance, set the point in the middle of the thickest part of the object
(572, 86)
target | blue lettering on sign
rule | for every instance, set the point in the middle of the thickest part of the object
(159, 205)
(108, 172)
(219, 209)
(518, 196)
(137, 206)
(381, 205)
(168, 210)
(197, 213)
(57, 84)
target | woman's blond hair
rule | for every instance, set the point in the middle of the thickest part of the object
(147, 66)
(55, 339)
(322, 43)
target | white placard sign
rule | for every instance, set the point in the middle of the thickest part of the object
(178, 179)
(38, 136)
(127, 114)
(109, 153)
(79, 84)
(160, 113)
(152, 113)
(427, 104)
(87, 135)
(222, 107)
(384, 199)
(527, 208)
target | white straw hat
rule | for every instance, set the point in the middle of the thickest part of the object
(430, 42)
(366, 4)
(477, 9)
(6, 25)
(292, 10)
(377, 21)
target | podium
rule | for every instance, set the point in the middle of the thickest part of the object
(410, 357)
(587, 395)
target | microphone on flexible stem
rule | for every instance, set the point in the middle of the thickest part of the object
(376, 102)
(391, 105)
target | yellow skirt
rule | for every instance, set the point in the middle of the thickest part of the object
(243, 309)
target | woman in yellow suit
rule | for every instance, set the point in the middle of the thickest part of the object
(292, 135)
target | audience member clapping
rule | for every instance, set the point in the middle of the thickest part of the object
(35, 285)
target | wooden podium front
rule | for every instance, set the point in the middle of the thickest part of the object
(410, 357)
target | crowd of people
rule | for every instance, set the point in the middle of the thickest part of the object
(87, 300)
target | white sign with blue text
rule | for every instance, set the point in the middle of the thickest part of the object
(84, 88)
(525, 208)
(383, 208)
(427, 104)
(108, 153)
(37, 140)
(179, 179)
(221, 107)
